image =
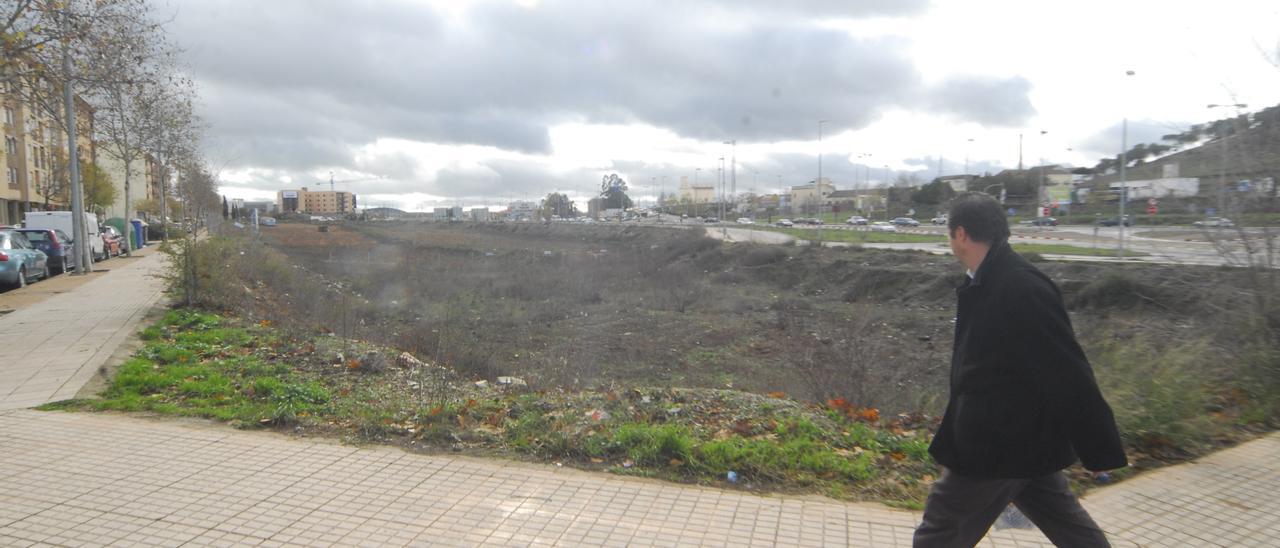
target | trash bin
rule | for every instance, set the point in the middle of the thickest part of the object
(139, 233)
(120, 225)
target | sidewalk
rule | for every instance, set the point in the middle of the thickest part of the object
(99, 479)
(54, 346)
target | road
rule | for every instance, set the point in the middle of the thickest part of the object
(1162, 245)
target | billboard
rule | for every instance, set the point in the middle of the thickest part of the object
(289, 194)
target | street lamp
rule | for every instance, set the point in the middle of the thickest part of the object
(1124, 194)
(733, 170)
(967, 146)
(1222, 170)
(1040, 187)
(818, 183)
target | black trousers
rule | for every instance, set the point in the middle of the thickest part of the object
(961, 509)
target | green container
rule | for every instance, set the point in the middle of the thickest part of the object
(120, 225)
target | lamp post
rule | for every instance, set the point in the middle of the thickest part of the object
(733, 171)
(1222, 169)
(818, 183)
(1124, 161)
(966, 156)
(693, 198)
(1040, 186)
(720, 177)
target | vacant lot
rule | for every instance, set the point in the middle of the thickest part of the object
(659, 351)
(609, 306)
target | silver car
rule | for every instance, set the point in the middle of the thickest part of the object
(20, 261)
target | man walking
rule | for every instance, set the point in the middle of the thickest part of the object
(1023, 403)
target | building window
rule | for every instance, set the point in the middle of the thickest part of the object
(8, 116)
(13, 176)
(10, 145)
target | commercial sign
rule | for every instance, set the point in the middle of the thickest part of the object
(289, 194)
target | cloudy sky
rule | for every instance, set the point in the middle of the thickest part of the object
(424, 103)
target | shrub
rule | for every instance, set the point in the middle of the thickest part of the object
(1115, 290)
(763, 256)
(654, 445)
(1157, 392)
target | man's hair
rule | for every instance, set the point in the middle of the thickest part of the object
(980, 215)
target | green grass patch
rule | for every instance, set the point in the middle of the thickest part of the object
(201, 365)
(1063, 249)
(856, 236)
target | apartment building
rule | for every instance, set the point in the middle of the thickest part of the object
(35, 152)
(322, 202)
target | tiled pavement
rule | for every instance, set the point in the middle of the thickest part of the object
(97, 479)
(53, 347)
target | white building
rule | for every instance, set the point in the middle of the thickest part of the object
(1161, 188)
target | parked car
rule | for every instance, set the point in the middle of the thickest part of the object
(711, 220)
(745, 221)
(61, 220)
(906, 221)
(271, 221)
(784, 222)
(1214, 222)
(112, 242)
(1040, 221)
(883, 226)
(1115, 221)
(856, 220)
(20, 261)
(939, 220)
(57, 246)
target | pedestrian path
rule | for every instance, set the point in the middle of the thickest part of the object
(53, 347)
(96, 479)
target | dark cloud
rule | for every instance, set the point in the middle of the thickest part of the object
(993, 102)
(297, 85)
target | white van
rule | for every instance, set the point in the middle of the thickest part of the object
(61, 220)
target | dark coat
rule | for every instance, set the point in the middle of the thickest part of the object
(1024, 401)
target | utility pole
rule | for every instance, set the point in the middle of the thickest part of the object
(1124, 193)
(1040, 187)
(818, 183)
(1222, 169)
(1019, 152)
(733, 171)
(77, 192)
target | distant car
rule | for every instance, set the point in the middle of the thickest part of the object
(856, 220)
(745, 221)
(112, 242)
(883, 226)
(56, 245)
(711, 220)
(906, 221)
(784, 222)
(1041, 221)
(1115, 221)
(1214, 222)
(268, 221)
(939, 220)
(20, 261)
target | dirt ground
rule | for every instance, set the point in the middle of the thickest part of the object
(580, 307)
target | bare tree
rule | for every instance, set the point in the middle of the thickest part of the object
(136, 52)
(171, 134)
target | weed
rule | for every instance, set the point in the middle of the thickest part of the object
(654, 445)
